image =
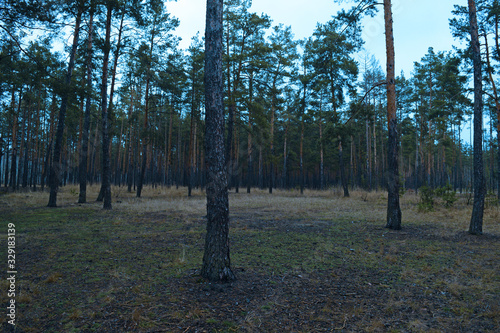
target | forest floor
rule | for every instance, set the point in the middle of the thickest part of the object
(311, 263)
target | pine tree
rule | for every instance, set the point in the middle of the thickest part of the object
(82, 198)
(393, 208)
(55, 170)
(476, 223)
(216, 259)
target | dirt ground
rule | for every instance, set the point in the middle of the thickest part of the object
(313, 263)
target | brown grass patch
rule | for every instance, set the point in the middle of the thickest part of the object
(305, 263)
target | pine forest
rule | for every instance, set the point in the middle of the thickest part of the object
(248, 129)
(299, 113)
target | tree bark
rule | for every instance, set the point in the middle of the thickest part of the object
(82, 169)
(190, 167)
(145, 144)
(169, 146)
(55, 170)
(250, 127)
(13, 163)
(393, 208)
(301, 147)
(476, 222)
(343, 179)
(106, 163)
(26, 153)
(130, 166)
(321, 153)
(216, 260)
(271, 136)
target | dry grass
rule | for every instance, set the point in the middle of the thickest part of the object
(328, 204)
(317, 257)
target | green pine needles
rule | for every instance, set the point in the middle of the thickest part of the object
(446, 194)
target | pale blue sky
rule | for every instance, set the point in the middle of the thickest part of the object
(418, 24)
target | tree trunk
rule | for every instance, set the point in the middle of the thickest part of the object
(343, 179)
(368, 156)
(249, 147)
(111, 94)
(82, 169)
(216, 260)
(106, 163)
(130, 166)
(476, 223)
(179, 163)
(271, 160)
(321, 153)
(261, 168)
(169, 148)
(26, 153)
(1, 155)
(393, 208)
(6, 174)
(55, 170)
(231, 107)
(285, 157)
(144, 144)
(191, 139)
(34, 170)
(13, 163)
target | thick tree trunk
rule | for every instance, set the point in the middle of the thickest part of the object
(476, 222)
(55, 170)
(393, 208)
(216, 260)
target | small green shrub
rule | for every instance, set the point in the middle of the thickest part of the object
(491, 199)
(426, 199)
(427, 195)
(447, 195)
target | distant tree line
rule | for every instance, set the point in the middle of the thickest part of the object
(298, 113)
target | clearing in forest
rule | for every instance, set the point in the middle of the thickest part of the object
(310, 263)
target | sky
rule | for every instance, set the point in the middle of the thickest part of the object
(418, 24)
